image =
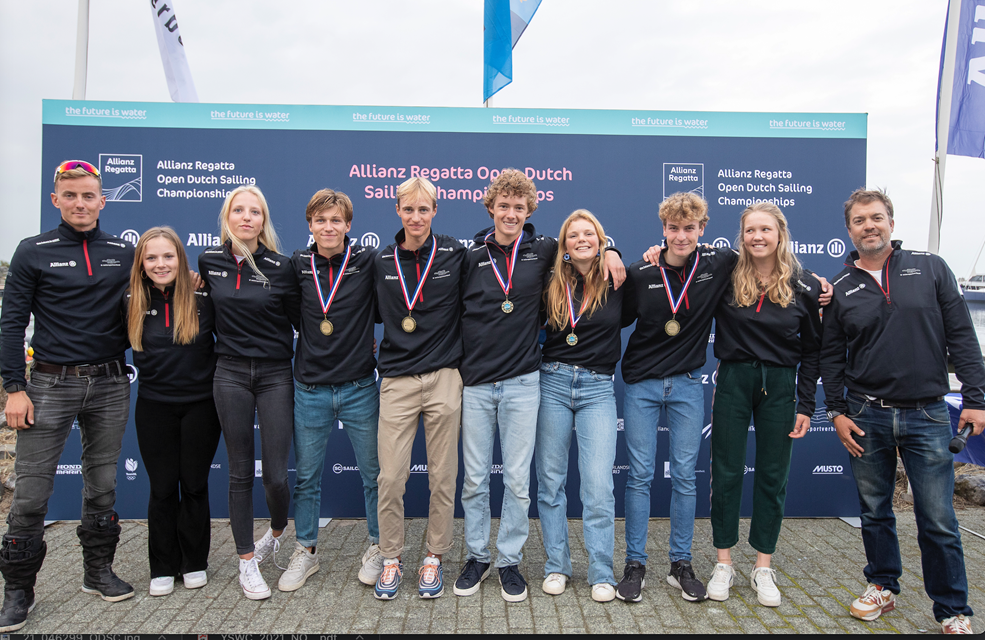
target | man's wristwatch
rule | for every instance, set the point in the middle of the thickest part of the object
(834, 414)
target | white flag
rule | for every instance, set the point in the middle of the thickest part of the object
(179, 76)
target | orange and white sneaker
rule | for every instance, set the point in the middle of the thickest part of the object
(873, 603)
(957, 624)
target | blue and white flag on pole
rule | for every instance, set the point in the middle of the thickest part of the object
(504, 24)
(176, 70)
(966, 134)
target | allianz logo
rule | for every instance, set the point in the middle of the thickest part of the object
(484, 263)
(391, 278)
(655, 286)
(831, 469)
(221, 274)
(70, 263)
(855, 290)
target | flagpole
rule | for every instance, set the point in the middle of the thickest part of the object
(943, 124)
(81, 51)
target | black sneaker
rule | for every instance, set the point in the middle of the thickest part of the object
(630, 588)
(682, 576)
(514, 586)
(472, 576)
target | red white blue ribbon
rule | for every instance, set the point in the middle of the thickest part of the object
(675, 305)
(420, 285)
(510, 263)
(335, 287)
(571, 308)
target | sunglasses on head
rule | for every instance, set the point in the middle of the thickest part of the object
(69, 165)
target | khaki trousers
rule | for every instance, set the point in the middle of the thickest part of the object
(437, 397)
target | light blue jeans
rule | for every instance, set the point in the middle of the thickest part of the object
(572, 396)
(512, 406)
(683, 398)
(316, 408)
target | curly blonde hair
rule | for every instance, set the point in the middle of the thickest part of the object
(509, 183)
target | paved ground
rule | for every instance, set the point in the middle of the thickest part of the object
(819, 565)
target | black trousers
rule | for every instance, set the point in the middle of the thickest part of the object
(177, 442)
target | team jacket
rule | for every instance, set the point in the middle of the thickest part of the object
(898, 335)
(252, 318)
(782, 337)
(502, 345)
(169, 372)
(346, 354)
(599, 342)
(651, 353)
(436, 343)
(72, 283)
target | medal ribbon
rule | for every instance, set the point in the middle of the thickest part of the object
(510, 263)
(675, 305)
(335, 287)
(420, 284)
(571, 308)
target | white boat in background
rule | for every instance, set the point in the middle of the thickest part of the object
(974, 286)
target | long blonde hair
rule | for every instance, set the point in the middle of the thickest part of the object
(185, 308)
(745, 281)
(268, 236)
(596, 286)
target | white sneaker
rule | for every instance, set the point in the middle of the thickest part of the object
(603, 592)
(254, 586)
(721, 582)
(303, 563)
(195, 579)
(956, 624)
(267, 547)
(763, 582)
(162, 586)
(372, 565)
(555, 583)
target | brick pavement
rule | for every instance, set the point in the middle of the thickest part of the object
(819, 564)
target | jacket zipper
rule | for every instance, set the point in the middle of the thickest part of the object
(167, 311)
(760, 305)
(85, 249)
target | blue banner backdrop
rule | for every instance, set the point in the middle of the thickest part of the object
(173, 164)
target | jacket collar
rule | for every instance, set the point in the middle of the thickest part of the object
(853, 256)
(68, 231)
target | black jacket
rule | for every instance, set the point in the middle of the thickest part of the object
(169, 372)
(599, 341)
(436, 343)
(898, 336)
(782, 337)
(253, 318)
(502, 345)
(651, 353)
(346, 354)
(72, 283)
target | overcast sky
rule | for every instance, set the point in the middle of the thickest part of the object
(877, 57)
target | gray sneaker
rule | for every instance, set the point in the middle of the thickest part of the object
(372, 565)
(267, 547)
(303, 564)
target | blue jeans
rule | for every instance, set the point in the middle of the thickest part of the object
(684, 398)
(512, 404)
(922, 436)
(102, 406)
(572, 396)
(316, 408)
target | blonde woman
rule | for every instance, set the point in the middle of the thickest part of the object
(579, 358)
(767, 325)
(257, 298)
(170, 325)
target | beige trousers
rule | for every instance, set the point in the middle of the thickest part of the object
(437, 397)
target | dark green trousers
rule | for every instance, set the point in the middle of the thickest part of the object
(768, 396)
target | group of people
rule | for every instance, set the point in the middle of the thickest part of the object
(461, 352)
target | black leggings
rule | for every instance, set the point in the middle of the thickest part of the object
(245, 388)
(177, 442)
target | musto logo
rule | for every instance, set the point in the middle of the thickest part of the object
(131, 467)
(684, 176)
(828, 470)
(121, 174)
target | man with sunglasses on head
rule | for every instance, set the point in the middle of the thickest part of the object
(71, 279)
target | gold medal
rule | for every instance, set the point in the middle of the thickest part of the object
(572, 339)
(672, 328)
(507, 307)
(326, 327)
(408, 324)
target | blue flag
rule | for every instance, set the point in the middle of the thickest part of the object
(966, 135)
(505, 21)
